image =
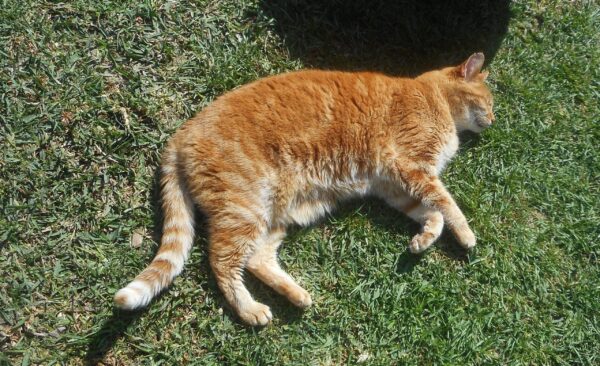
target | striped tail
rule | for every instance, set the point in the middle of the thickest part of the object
(176, 241)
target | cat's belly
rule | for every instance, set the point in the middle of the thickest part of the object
(308, 206)
(307, 212)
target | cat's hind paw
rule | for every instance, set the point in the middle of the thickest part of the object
(466, 237)
(256, 315)
(300, 297)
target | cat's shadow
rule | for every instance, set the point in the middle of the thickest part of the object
(402, 37)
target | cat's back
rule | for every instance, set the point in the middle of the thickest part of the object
(296, 99)
(312, 82)
(283, 110)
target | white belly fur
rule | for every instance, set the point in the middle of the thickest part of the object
(309, 206)
(447, 153)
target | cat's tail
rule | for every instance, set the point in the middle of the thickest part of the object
(176, 241)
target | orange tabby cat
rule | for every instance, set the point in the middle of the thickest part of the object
(282, 150)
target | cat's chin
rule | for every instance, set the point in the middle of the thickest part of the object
(483, 124)
(475, 126)
(478, 127)
(474, 129)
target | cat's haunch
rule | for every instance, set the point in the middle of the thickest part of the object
(284, 149)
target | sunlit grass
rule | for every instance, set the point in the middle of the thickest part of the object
(89, 93)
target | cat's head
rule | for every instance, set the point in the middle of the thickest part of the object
(470, 99)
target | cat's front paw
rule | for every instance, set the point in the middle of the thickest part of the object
(420, 243)
(466, 237)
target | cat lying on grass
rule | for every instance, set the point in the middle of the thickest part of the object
(284, 149)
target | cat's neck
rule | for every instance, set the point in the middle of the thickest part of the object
(440, 95)
(449, 100)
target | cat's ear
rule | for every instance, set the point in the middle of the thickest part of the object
(471, 68)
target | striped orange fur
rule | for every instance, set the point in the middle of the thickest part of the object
(284, 149)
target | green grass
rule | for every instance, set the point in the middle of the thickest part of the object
(90, 92)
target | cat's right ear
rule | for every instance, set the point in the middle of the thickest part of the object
(471, 68)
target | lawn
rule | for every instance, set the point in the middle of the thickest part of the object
(90, 91)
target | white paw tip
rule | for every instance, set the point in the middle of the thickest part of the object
(307, 302)
(415, 247)
(470, 245)
(303, 301)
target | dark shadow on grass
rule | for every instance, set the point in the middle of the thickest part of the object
(393, 221)
(389, 219)
(402, 37)
(469, 140)
(120, 320)
(112, 329)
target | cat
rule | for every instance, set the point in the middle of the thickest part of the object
(282, 150)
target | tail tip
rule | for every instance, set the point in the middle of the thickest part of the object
(128, 299)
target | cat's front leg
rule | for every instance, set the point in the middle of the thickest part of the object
(431, 220)
(432, 223)
(429, 190)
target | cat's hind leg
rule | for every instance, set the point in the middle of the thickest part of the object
(432, 223)
(264, 265)
(231, 244)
